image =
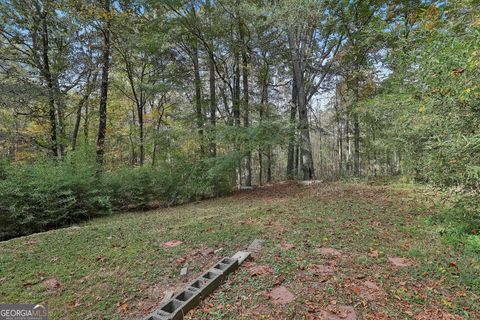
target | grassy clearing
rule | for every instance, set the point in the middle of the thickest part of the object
(118, 267)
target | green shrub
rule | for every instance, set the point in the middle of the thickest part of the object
(138, 187)
(49, 194)
(183, 181)
(463, 215)
(206, 178)
(45, 195)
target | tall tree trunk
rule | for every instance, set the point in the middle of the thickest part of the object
(213, 105)
(246, 98)
(263, 102)
(269, 165)
(60, 107)
(306, 156)
(236, 91)
(356, 133)
(141, 126)
(236, 107)
(102, 126)
(83, 101)
(15, 137)
(349, 145)
(297, 160)
(198, 96)
(375, 156)
(86, 122)
(133, 153)
(212, 87)
(340, 145)
(291, 142)
(76, 128)
(49, 79)
(338, 118)
(157, 131)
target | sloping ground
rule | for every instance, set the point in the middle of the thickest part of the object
(331, 251)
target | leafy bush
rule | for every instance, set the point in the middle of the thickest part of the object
(206, 178)
(48, 194)
(45, 195)
(138, 187)
(463, 215)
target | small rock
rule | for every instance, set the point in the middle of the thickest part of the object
(184, 271)
(255, 246)
(218, 250)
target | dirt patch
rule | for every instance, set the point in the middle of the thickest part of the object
(281, 295)
(270, 193)
(330, 252)
(436, 314)
(321, 270)
(370, 291)
(334, 312)
(400, 262)
(52, 286)
(260, 270)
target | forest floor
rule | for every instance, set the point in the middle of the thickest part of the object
(331, 251)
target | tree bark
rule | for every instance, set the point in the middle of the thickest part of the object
(213, 105)
(198, 96)
(212, 87)
(269, 166)
(236, 91)
(60, 107)
(246, 98)
(157, 129)
(49, 79)
(86, 123)
(142, 135)
(263, 102)
(356, 133)
(349, 145)
(102, 126)
(306, 156)
(88, 90)
(291, 143)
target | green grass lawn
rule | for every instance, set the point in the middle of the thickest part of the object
(118, 266)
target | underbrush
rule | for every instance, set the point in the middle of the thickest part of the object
(50, 194)
(459, 221)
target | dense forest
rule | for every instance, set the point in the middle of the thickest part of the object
(121, 105)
